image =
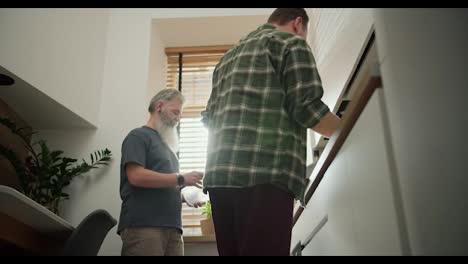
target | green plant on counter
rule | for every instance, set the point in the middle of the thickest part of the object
(45, 173)
(207, 210)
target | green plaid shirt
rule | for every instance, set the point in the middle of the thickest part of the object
(266, 93)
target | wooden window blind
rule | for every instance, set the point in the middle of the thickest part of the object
(190, 69)
(197, 65)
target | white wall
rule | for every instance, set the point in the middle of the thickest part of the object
(126, 89)
(157, 63)
(336, 36)
(423, 59)
(122, 108)
(58, 51)
(206, 12)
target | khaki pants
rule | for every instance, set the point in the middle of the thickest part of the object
(152, 241)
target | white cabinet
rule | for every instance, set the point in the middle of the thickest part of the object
(398, 184)
(423, 54)
(356, 194)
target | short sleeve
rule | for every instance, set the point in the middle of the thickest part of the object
(134, 150)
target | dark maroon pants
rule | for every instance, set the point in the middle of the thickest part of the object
(255, 221)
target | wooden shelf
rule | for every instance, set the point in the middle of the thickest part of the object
(29, 226)
(38, 109)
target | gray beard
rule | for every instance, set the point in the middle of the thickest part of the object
(169, 136)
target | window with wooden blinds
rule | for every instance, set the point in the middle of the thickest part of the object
(190, 70)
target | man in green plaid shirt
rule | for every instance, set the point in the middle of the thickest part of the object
(266, 93)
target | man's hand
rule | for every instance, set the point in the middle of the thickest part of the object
(327, 125)
(197, 204)
(193, 197)
(193, 178)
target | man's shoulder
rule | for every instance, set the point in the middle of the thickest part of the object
(277, 39)
(290, 40)
(140, 133)
(283, 37)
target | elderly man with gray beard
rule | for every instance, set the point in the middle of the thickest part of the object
(150, 183)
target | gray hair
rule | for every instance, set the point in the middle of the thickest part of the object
(165, 95)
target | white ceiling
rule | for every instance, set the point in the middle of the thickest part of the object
(205, 31)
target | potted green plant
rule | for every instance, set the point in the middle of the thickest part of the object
(207, 225)
(45, 173)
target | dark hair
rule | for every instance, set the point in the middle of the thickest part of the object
(282, 16)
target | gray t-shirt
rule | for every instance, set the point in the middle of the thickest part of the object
(148, 207)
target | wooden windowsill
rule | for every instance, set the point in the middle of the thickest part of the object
(190, 239)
